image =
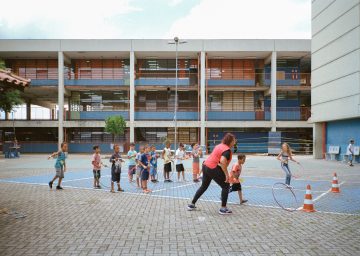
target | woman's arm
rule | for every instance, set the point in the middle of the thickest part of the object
(224, 164)
(292, 159)
(279, 156)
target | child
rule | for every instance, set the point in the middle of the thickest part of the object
(180, 156)
(196, 153)
(116, 161)
(132, 161)
(138, 165)
(166, 155)
(350, 152)
(284, 156)
(145, 167)
(60, 165)
(96, 162)
(153, 162)
(234, 177)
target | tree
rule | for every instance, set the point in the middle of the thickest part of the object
(9, 99)
(115, 125)
(2, 64)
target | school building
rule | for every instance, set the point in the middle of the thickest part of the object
(335, 73)
(259, 90)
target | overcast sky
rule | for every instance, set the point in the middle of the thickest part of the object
(155, 19)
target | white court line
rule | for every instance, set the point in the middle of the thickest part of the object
(181, 186)
(325, 193)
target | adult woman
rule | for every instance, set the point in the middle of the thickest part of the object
(215, 168)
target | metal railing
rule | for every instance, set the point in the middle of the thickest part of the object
(166, 109)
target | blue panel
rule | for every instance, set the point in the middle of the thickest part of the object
(166, 115)
(220, 82)
(162, 81)
(338, 133)
(288, 115)
(38, 147)
(87, 147)
(221, 115)
(44, 82)
(286, 82)
(102, 115)
(94, 82)
(288, 103)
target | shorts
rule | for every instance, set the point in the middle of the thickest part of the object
(145, 174)
(196, 167)
(131, 170)
(180, 168)
(97, 174)
(153, 171)
(59, 172)
(167, 167)
(235, 187)
(115, 176)
(350, 157)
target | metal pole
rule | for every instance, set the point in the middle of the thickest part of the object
(176, 93)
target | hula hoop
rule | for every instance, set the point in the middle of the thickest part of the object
(291, 195)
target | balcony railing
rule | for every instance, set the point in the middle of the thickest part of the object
(293, 113)
(166, 79)
(37, 114)
(290, 79)
(166, 113)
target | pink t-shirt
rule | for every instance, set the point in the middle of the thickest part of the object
(235, 174)
(96, 162)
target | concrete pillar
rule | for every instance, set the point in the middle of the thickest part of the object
(273, 91)
(319, 141)
(61, 90)
(202, 98)
(132, 96)
(28, 110)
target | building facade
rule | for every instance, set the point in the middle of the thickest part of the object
(252, 88)
(335, 72)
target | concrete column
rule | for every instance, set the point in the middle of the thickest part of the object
(28, 110)
(132, 96)
(319, 140)
(273, 91)
(202, 97)
(61, 90)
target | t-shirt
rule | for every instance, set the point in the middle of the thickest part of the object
(132, 156)
(179, 154)
(227, 154)
(167, 155)
(153, 160)
(235, 173)
(116, 164)
(96, 162)
(196, 153)
(60, 160)
(145, 160)
(350, 149)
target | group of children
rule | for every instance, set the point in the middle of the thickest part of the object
(142, 165)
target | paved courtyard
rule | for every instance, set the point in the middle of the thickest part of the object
(83, 221)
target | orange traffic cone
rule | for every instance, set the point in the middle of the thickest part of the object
(335, 185)
(308, 202)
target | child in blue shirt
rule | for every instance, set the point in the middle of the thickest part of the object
(145, 167)
(153, 163)
(60, 166)
(116, 161)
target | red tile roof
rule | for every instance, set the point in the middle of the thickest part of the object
(8, 77)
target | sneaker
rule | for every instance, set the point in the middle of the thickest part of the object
(50, 185)
(120, 190)
(196, 181)
(191, 207)
(99, 187)
(58, 187)
(170, 181)
(224, 211)
(243, 201)
(112, 191)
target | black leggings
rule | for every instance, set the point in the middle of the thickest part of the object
(219, 177)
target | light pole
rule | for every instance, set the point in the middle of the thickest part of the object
(176, 42)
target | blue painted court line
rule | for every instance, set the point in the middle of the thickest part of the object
(256, 189)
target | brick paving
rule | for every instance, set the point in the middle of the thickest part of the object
(91, 222)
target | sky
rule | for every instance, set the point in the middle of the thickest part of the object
(141, 19)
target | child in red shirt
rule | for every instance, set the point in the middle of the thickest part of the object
(234, 177)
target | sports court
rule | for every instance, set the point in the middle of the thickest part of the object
(259, 175)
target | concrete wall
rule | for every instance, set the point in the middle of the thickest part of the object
(335, 59)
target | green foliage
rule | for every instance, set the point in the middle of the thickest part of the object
(10, 99)
(2, 64)
(115, 125)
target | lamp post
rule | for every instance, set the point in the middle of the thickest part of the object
(176, 42)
